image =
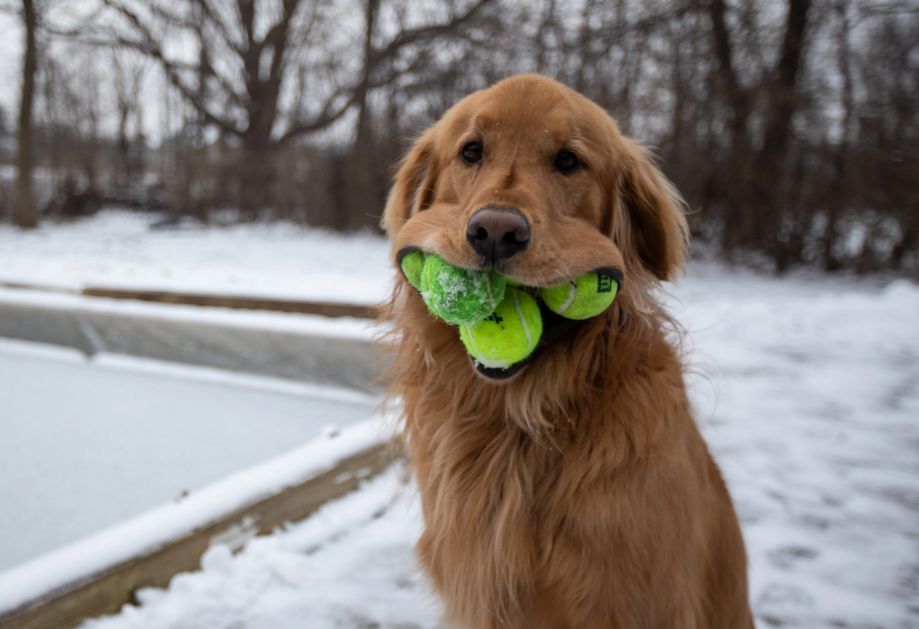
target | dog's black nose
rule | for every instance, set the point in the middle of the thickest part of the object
(498, 233)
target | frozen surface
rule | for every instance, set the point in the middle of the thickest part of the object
(87, 444)
(173, 520)
(808, 393)
(118, 250)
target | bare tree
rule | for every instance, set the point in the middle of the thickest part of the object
(268, 74)
(259, 50)
(791, 127)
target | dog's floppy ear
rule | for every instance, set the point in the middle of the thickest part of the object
(649, 222)
(413, 187)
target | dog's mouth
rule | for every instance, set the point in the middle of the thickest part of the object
(554, 326)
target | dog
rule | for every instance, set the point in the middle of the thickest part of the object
(574, 490)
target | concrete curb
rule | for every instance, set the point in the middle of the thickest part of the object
(301, 356)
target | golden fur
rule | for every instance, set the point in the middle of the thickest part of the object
(578, 493)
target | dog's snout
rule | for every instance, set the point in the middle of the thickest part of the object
(498, 233)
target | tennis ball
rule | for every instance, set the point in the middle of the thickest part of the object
(585, 297)
(458, 295)
(509, 335)
(412, 264)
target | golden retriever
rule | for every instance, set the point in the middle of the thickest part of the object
(574, 491)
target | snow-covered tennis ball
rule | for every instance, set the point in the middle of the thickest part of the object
(412, 264)
(458, 295)
(583, 298)
(509, 335)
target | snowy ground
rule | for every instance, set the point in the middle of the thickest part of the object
(809, 397)
(350, 565)
(117, 250)
(807, 390)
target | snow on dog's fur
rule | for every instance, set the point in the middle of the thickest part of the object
(577, 493)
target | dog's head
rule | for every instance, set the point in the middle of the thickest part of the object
(536, 181)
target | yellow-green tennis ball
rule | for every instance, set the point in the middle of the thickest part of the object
(458, 295)
(509, 335)
(586, 297)
(412, 264)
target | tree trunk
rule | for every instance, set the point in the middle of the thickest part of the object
(364, 130)
(841, 190)
(770, 191)
(362, 195)
(26, 215)
(755, 189)
(736, 171)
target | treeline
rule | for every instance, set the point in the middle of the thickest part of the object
(790, 126)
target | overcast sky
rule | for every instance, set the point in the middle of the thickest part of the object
(10, 64)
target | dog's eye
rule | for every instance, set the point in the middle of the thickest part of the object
(472, 153)
(566, 162)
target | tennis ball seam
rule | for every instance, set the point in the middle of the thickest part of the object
(471, 338)
(523, 320)
(572, 293)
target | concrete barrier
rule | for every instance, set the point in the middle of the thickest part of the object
(335, 352)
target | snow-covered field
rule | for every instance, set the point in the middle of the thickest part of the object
(117, 250)
(807, 389)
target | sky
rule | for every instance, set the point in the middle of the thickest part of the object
(10, 64)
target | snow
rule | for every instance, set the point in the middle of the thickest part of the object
(118, 250)
(89, 443)
(809, 398)
(148, 531)
(350, 565)
(806, 388)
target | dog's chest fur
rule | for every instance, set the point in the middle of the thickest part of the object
(483, 525)
(497, 541)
